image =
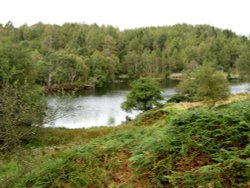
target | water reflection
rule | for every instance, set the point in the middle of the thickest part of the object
(240, 87)
(91, 111)
(103, 108)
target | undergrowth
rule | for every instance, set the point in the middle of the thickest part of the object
(195, 148)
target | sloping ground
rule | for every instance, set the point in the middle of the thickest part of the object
(175, 146)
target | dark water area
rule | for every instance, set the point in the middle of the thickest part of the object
(120, 85)
(101, 106)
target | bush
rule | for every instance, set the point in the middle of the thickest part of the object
(206, 83)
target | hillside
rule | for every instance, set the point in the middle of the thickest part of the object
(177, 145)
(81, 54)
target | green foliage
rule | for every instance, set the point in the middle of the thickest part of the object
(199, 147)
(71, 52)
(144, 95)
(102, 68)
(205, 83)
(243, 64)
(203, 147)
(22, 104)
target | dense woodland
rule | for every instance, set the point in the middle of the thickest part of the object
(92, 54)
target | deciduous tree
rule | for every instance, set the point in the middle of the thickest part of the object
(22, 104)
(144, 95)
(205, 83)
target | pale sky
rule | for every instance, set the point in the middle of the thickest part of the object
(225, 14)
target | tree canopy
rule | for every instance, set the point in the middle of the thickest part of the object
(22, 104)
(243, 64)
(144, 95)
(81, 53)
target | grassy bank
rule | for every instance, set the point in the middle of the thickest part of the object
(178, 145)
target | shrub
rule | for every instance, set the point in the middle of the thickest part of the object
(206, 83)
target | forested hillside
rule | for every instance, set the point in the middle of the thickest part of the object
(92, 54)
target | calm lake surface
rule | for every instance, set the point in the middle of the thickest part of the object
(102, 106)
